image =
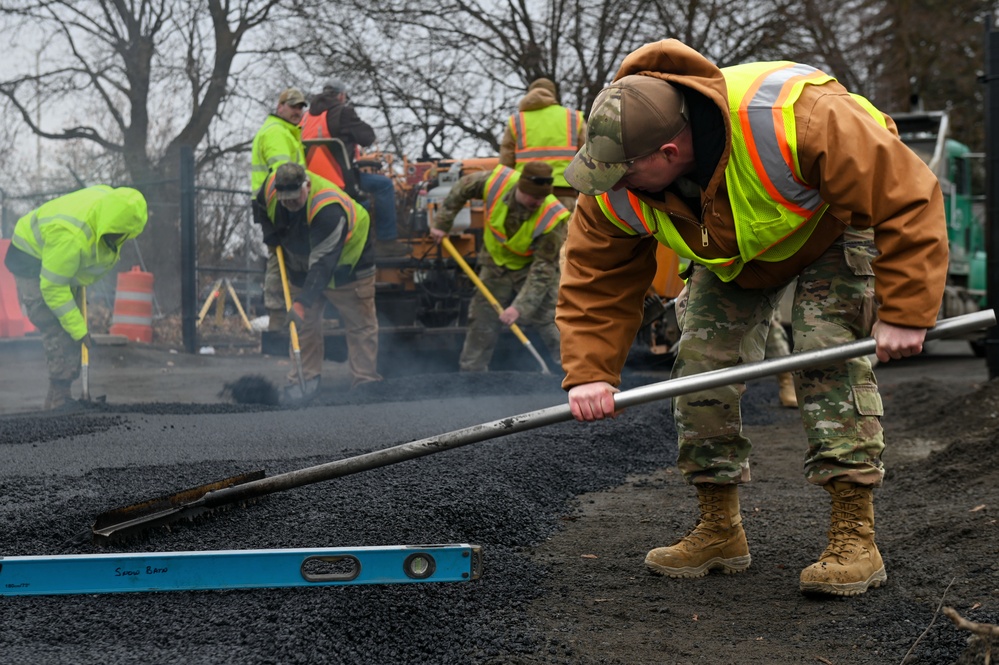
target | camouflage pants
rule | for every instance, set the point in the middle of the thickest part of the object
(777, 344)
(724, 325)
(484, 325)
(62, 354)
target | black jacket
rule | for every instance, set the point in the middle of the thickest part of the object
(342, 121)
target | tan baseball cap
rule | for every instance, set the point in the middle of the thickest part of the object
(292, 97)
(631, 118)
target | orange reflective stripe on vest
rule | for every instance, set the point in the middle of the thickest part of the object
(773, 160)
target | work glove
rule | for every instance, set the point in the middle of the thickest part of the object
(296, 314)
(87, 341)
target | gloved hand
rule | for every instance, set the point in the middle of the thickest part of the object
(85, 340)
(296, 314)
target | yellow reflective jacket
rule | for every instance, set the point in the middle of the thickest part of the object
(276, 142)
(67, 236)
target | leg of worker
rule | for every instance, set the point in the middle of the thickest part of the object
(778, 347)
(722, 326)
(310, 342)
(483, 322)
(841, 412)
(382, 193)
(62, 354)
(274, 294)
(543, 321)
(355, 302)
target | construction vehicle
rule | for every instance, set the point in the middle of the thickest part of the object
(961, 173)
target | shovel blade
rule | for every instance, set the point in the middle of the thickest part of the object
(295, 394)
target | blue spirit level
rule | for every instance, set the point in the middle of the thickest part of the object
(237, 569)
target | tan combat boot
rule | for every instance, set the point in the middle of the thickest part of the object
(851, 563)
(718, 542)
(59, 394)
(787, 395)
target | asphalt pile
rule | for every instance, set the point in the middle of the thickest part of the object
(510, 495)
(505, 495)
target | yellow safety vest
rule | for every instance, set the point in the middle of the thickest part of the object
(322, 193)
(515, 253)
(775, 210)
(547, 135)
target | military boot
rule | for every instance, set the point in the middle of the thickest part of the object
(59, 394)
(787, 395)
(851, 563)
(718, 542)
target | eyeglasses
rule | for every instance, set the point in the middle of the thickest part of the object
(538, 180)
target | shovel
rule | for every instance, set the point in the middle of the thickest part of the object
(190, 503)
(305, 389)
(84, 351)
(492, 301)
(85, 358)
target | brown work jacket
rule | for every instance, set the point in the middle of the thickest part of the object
(866, 174)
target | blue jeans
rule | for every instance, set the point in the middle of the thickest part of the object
(381, 195)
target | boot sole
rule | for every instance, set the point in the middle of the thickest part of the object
(878, 578)
(730, 566)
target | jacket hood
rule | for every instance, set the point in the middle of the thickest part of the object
(538, 98)
(322, 102)
(121, 210)
(678, 64)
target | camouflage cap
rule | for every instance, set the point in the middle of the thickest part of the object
(630, 119)
(288, 181)
(292, 97)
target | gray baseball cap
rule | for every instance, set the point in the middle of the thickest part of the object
(288, 181)
(630, 119)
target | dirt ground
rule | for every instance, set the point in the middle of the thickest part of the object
(936, 525)
(936, 528)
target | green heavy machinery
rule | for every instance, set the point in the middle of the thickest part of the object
(961, 173)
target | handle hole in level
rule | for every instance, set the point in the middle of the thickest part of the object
(342, 568)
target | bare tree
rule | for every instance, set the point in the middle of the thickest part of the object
(903, 55)
(140, 80)
(444, 79)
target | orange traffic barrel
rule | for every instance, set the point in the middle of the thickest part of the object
(133, 306)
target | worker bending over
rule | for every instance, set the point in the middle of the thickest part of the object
(525, 228)
(63, 245)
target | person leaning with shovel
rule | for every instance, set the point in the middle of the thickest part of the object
(525, 228)
(323, 237)
(56, 251)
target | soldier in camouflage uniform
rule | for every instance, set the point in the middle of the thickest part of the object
(759, 174)
(524, 234)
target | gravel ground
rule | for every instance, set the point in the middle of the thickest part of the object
(564, 515)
